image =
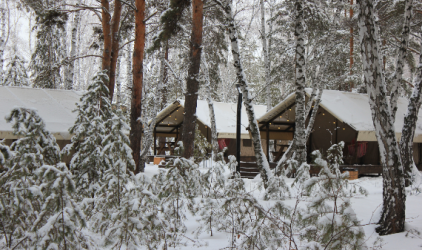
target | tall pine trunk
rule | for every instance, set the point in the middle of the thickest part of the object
(261, 159)
(394, 196)
(192, 83)
(401, 57)
(410, 119)
(136, 105)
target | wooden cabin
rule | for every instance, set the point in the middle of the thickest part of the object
(54, 107)
(342, 116)
(169, 126)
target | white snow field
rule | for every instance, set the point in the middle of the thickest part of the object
(367, 209)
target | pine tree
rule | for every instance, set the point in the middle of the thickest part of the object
(22, 200)
(118, 160)
(88, 163)
(49, 53)
(15, 74)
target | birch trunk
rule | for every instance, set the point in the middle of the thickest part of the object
(261, 159)
(105, 23)
(266, 60)
(115, 37)
(129, 74)
(136, 103)
(300, 132)
(148, 133)
(394, 196)
(316, 99)
(2, 38)
(214, 139)
(70, 71)
(192, 84)
(401, 57)
(410, 119)
(118, 84)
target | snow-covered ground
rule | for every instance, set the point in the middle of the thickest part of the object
(367, 209)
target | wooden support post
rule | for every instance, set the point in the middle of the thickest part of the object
(155, 140)
(336, 128)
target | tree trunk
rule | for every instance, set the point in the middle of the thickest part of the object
(261, 159)
(394, 196)
(105, 22)
(300, 131)
(266, 60)
(136, 105)
(69, 78)
(115, 37)
(118, 84)
(315, 99)
(401, 57)
(129, 72)
(2, 38)
(214, 139)
(148, 133)
(165, 77)
(192, 84)
(410, 119)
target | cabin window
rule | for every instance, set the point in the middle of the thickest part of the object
(247, 142)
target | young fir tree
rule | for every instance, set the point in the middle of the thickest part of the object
(178, 188)
(88, 163)
(330, 222)
(15, 73)
(59, 221)
(22, 200)
(137, 221)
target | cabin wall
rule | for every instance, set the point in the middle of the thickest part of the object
(328, 130)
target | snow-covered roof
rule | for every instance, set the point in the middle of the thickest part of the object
(353, 109)
(225, 116)
(54, 106)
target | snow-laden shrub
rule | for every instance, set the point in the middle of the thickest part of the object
(21, 199)
(60, 220)
(4, 154)
(137, 221)
(329, 221)
(178, 186)
(202, 146)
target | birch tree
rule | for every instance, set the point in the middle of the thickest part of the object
(401, 57)
(266, 56)
(214, 142)
(70, 71)
(409, 126)
(261, 159)
(394, 196)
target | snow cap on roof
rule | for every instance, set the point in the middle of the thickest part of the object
(53, 106)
